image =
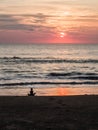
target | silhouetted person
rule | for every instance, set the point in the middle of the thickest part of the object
(31, 92)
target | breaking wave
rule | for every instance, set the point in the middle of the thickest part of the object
(45, 60)
(49, 83)
(75, 75)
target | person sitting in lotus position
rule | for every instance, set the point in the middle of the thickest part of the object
(31, 92)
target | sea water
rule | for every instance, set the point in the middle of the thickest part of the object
(55, 66)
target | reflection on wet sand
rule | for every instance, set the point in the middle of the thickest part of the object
(57, 91)
(62, 91)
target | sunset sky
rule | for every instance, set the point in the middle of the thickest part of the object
(48, 21)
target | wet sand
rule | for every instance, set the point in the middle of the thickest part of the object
(49, 112)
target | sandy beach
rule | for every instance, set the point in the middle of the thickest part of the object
(49, 112)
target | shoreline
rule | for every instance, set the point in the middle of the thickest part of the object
(49, 112)
(50, 91)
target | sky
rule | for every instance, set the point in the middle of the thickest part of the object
(48, 21)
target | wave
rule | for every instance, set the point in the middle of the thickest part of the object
(75, 75)
(86, 78)
(64, 74)
(49, 83)
(70, 74)
(45, 60)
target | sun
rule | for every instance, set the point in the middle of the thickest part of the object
(62, 34)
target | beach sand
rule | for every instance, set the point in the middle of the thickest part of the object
(49, 112)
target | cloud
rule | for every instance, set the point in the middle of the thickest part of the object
(85, 18)
(84, 34)
(24, 22)
(6, 19)
(45, 26)
(28, 26)
(8, 22)
(64, 2)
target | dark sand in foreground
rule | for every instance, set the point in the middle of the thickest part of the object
(42, 113)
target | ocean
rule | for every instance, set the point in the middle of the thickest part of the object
(47, 67)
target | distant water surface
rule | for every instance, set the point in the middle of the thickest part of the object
(49, 66)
